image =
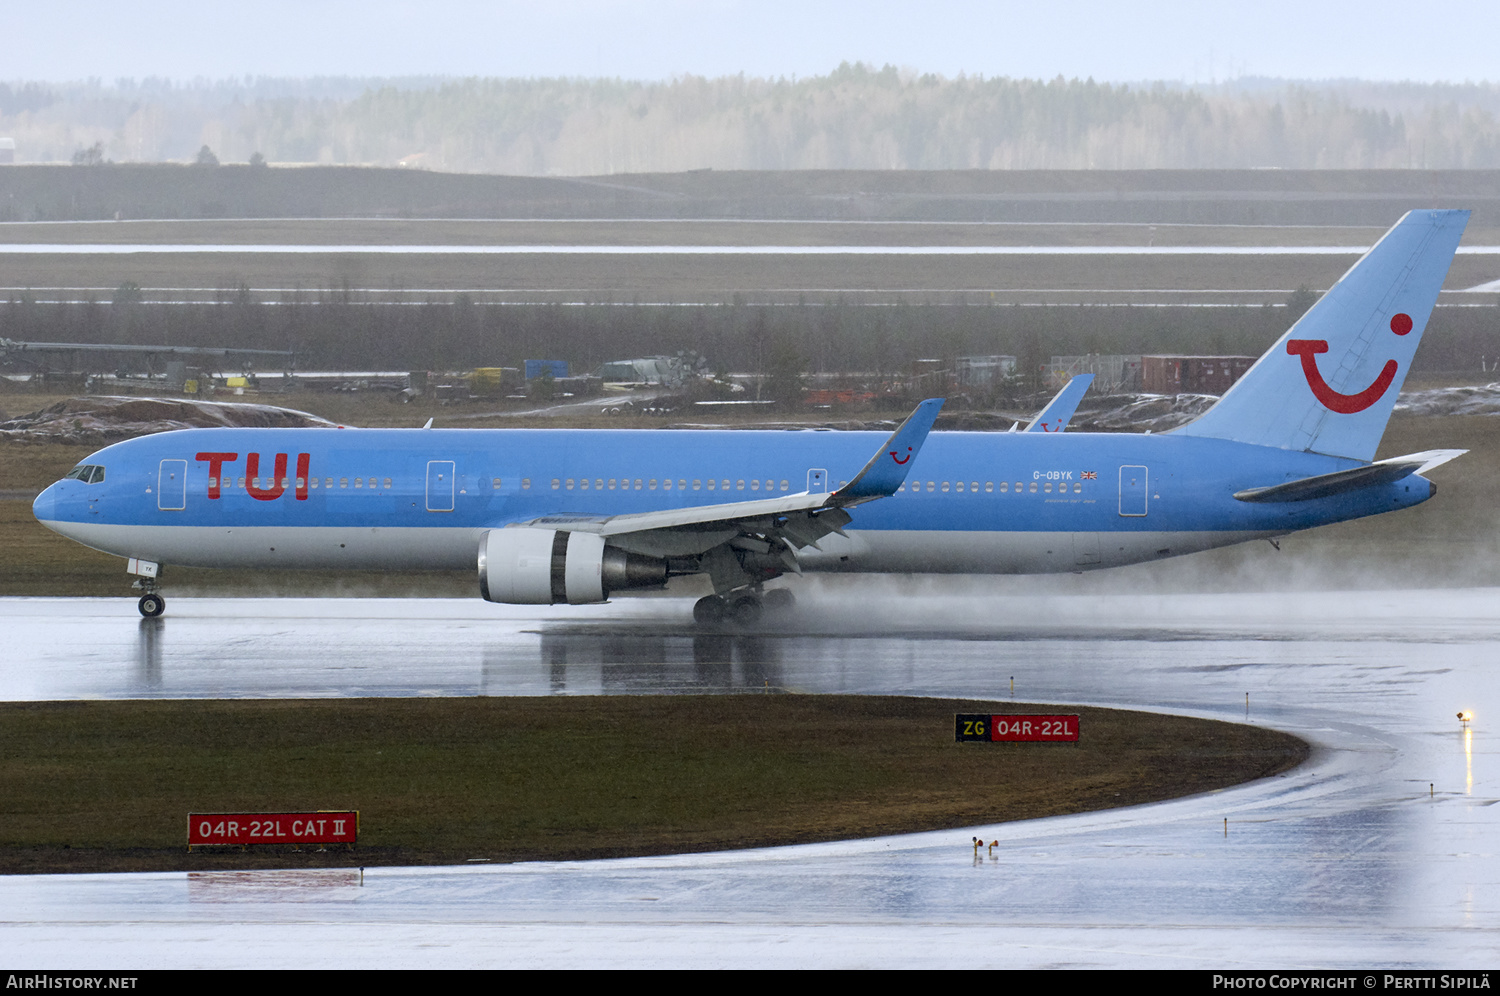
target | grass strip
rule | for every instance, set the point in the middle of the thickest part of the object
(107, 785)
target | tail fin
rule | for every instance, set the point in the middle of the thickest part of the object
(1329, 384)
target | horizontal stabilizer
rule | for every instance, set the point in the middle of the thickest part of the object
(1344, 481)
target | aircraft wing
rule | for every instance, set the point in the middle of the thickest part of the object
(1343, 481)
(792, 521)
(1059, 411)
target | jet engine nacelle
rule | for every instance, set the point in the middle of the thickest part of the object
(528, 566)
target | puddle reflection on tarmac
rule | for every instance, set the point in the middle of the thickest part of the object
(1381, 850)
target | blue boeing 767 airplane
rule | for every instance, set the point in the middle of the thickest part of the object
(574, 516)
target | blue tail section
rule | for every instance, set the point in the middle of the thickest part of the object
(1329, 384)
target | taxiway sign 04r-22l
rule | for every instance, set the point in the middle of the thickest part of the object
(553, 516)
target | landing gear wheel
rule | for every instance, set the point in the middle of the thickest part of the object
(709, 610)
(746, 610)
(779, 599)
(151, 605)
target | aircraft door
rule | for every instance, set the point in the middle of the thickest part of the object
(1132, 490)
(817, 482)
(440, 485)
(171, 486)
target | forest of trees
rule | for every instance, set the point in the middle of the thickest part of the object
(827, 337)
(856, 117)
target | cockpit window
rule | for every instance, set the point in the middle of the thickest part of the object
(87, 473)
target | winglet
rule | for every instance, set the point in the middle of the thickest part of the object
(1059, 411)
(887, 469)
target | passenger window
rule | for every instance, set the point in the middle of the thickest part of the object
(598, 484)
(710, 485)
(651, 485)
(239, 482)
(990, 486)
(611, 484)
(359, 482)
(556, 484)
(569, 485)
(724, 486)
(754, 485)
(974, 485)
(931, 486)
(525, 484)
(698, 484)
(638, 484)
(313, 483)
(1077, 488)
(497, 483)
(786, 485)
(739, 485)
(959, 486)
(1047, 487)
(1018, 487)
(583, 484)
(1033, 487)
(945, 487)
(327, 482)
(681, 484)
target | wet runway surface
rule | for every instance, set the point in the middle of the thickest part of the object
(1382, 851)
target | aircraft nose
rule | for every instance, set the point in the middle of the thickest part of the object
(45, 505)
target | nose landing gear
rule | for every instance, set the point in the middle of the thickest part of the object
(152, 604)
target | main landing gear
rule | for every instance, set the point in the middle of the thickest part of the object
(743, 608)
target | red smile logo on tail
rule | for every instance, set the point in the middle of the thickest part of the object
(900, 460)
(1345, 404)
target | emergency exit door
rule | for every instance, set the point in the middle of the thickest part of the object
(171, 486)
(1132, 490)
(440, 485)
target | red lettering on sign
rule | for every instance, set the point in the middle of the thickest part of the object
(257, 828)
(1034, 728)
(216, 462)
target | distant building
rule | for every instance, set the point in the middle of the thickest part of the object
(7, 150)
(669, 371)
(1192, 374)
(983, 371)
(1113, 373)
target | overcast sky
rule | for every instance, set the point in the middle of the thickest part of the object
(1194, 41)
